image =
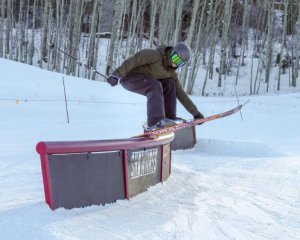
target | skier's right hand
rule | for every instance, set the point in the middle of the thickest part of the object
(199, 115)
(113, 80)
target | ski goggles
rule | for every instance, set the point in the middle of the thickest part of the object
(175, 57)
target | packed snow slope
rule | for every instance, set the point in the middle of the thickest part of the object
(241, 181)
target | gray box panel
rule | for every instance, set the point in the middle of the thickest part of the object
(184, 139)
(86, 179)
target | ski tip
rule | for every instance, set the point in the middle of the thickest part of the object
(243, 104)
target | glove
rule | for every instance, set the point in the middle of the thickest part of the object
(113, 80)
(198, 115)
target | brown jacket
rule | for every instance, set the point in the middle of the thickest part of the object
(156, 63)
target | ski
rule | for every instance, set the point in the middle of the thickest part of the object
(173, 128)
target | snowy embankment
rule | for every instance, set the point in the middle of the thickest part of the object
(241, 181)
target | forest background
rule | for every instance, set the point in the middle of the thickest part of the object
(249, 43)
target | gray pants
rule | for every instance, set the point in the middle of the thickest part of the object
(161, 95)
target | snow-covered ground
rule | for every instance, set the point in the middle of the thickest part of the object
(241, 181)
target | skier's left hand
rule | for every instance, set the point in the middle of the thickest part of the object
(113, 80)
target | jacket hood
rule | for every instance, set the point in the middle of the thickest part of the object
(165, 52)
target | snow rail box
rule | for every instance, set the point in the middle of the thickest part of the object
(84, 173)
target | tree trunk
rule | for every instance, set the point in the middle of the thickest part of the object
(190, 36)
(200, 40)
(93, 50)
(153, 6)
(178, 20)
(114, 35)
(8, 29)
(243, 44)
(269, 43)
(225, 29)
(296, 74)
(284, 27)
(43, 48)
(31, 46)
(2, 26)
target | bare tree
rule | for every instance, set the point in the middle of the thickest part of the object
(154, 9)
(117, 22)
(2, 24)
(256, 51)
(93, 44)
(243, 36)
(45, 28)
(296, 69)
(283, 44)
(269, 53)
(198, 39)
(178, 20)
(8, 29)
(190, 35)
(225, 29)
(31, 46)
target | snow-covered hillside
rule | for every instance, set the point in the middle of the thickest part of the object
(241, 181)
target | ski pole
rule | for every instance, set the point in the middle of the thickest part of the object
(52, 45)
(238, 101)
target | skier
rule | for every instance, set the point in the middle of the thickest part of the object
(152, 73)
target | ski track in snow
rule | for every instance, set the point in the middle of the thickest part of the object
(241, 181)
